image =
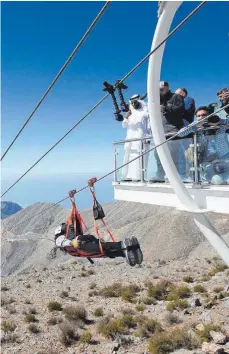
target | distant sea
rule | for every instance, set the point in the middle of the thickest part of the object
(54, 188)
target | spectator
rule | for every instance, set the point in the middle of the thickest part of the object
(189, 106)
(172, 108)
(213, 147)
(184, 144)
(223, 96)
(137, 124)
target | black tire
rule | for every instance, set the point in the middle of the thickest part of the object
(137, 251)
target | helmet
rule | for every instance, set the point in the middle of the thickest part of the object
(60, 230)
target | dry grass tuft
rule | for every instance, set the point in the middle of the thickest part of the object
(54, 306)
(167, 342)
(77, 313)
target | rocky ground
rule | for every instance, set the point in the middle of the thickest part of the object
(121, 318)
(176, 301)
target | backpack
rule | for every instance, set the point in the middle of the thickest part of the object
(98, 210)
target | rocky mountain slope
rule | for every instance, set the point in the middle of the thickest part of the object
(176, 301)
(164, 233)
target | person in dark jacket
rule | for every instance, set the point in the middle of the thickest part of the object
(172, 109)
(223, 96)
(189, 104)
(189, 114)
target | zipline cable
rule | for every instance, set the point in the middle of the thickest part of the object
(127, 163)
(107, 4)
(104, 97)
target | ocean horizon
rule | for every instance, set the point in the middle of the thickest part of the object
(52, 188)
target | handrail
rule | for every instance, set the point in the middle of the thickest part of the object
(176, 138)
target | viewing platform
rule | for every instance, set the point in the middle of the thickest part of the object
(207, 181)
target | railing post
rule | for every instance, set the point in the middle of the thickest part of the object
(196, 162)
(115, 163)
(141, 161)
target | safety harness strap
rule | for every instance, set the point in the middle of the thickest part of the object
(74, 216)
(91, 183)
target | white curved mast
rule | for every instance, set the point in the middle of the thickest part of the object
(166, 14)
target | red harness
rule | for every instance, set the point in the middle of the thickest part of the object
(76, 220)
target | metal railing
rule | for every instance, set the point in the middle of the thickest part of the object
(196, 170)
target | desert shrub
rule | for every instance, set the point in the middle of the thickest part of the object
(205, 277)
(217, 269)
(188, 279)
(198, 288)
(149, 301)
(4, 288)
(44, 269)
(33, 328)
(98, 312)
(52, 321)
(64, 294)
(91, 272)
(129, 292)
(172, 318)
(180, 292)
(127, 321)
(69, 334)
(204, 335)
(28, 286)
(177, 304)
(30, 318)
(54, 306)
(224, 294)
(85, 337)
(140, 307)
(111, 291)
(158, 291)
(110, 328)
(218, 289)
(167, 342)
(216, 259)
(127, 311)
(8, 326)
(73, 313)
(147, 326)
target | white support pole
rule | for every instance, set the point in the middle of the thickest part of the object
(154, 71)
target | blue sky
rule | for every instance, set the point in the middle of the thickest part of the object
(37, 37)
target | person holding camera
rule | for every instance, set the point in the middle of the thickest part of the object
(213, 146)
(172, 110)
(137, 124)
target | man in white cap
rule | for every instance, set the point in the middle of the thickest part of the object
(137, 124)
(172, 109)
